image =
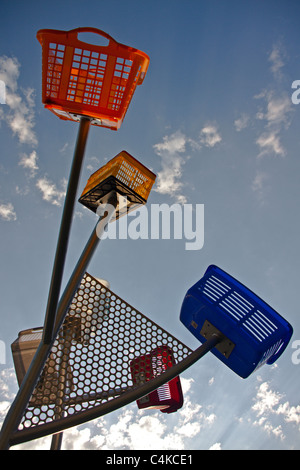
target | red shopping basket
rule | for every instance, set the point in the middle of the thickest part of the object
(80, 79)
(168, 397)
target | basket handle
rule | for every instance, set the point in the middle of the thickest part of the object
(74, 32)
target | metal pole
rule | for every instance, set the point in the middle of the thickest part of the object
(65, 227)
(123, 400)
(16, 411)
(56, 441)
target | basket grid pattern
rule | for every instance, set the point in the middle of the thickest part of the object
(89, 362)
(86, 78)
(133, 178)
(127, 171)
(54, 69)
(239, 308)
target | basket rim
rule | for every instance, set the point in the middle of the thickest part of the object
(153, 175)
(44, 33)
(256, 298)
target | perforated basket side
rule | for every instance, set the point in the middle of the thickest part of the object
(81, 78)
(128, 171)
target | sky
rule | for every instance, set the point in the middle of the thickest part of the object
(217, 120)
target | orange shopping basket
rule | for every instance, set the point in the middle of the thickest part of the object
(81, 79)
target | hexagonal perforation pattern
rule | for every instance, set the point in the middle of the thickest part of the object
(89, 362)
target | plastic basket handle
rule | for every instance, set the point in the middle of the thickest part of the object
(73, 36)
(74, 32)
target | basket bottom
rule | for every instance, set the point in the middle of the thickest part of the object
(112, 124)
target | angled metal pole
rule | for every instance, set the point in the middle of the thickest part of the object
(56, 441)
(16, 411)
(65, 227)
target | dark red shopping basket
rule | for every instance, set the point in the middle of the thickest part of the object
(81, 79)
(166, 398)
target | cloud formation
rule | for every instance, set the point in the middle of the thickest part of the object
(274, 114)
(267, 405)
(273, 117)
(259, 184)
(276, 117)
(19, 114)
(173, 153)
(29, 162)
(7, 212)
(50, 192)
(276, 58)
(210, 136)
(242, 122)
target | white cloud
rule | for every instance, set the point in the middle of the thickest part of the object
(211, 381)
(259, 184)
(269, 142)
(75, 439)
(275, 114)
(8, 385)
(276, 58)
(7, 212)
(276, 117)
(216, 446)
(277, 111)
(171, 144)
(242, 122)
(189, 411)
(136, 431)
(50, 192)
(19, 114)
(64, 147)
(171, 151)
(189, 429)
(29, 162)
(94, 164)
(209, 136)
(267, 404)
(291, 413)
(186, 384)
(266, 400)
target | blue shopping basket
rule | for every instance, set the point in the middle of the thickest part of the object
(254, 333)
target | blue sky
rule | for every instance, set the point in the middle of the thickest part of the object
(215, 121)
